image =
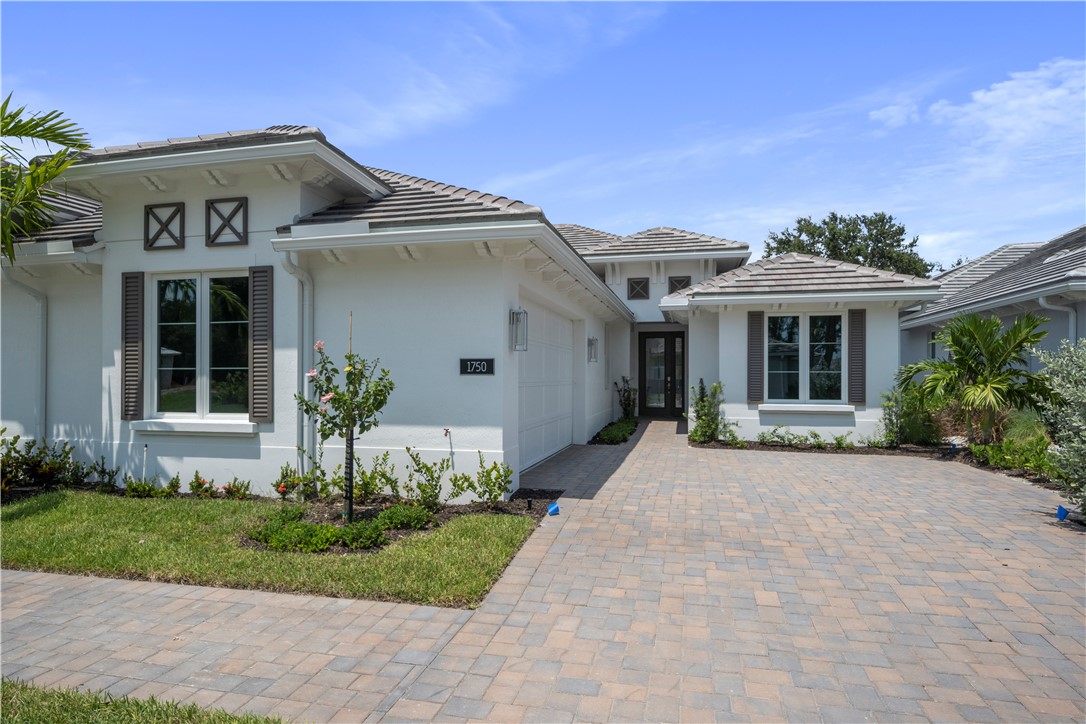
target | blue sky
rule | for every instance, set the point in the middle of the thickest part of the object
(965, 121)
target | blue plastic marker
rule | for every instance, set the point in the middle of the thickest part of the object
(1061, 512)
(552, 509)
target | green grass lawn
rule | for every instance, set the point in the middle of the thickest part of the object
(23, 703)
(187, 540)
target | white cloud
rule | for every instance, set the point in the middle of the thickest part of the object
(897, 114)
(1040, 106)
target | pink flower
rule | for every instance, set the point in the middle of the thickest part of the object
(311, 373)
(319, 345)
(324, 409)
(325, 398)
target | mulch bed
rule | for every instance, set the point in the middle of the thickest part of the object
(531, 502)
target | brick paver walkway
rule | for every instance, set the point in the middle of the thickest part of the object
(677, 584)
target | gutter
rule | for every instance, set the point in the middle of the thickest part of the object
(1072, 317)
(306, 321)
(1068, 285)
(709, 300)
(43, 314)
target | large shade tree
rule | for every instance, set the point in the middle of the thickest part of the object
(876, 240)
(27, 183)
(986, 371)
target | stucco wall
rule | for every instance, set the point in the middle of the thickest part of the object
(74, 341)
(862, 420)
(648, 310)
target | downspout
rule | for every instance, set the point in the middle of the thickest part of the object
(1072, 317)
(43, 313)
(304, 436)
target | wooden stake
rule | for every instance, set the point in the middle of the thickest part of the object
(350, 330)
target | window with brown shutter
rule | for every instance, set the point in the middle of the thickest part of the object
(261, 345)
(755, 356)
(857, 356)
(132, 346)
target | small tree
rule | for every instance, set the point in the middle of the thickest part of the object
(1066, 418)
(344, 410)
(986, 371)
(627, 398)
(706, 412)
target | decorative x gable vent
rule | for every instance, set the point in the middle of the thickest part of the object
(227, 222)
(164, 226)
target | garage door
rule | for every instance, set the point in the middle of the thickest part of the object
(546, 385)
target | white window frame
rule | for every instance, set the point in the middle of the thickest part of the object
(804, 358)
(203, 343)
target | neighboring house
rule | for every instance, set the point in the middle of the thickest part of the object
(798, 340)
(171, 312)
(1048, 279)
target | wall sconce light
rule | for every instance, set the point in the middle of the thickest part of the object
(518, 329)
(593, 349)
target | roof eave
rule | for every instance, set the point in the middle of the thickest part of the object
(1074, 284)
(897, 296)
(335, 160)
(596, 258)
(537, 231)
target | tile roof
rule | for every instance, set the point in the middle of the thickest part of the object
(583, 238)
(1061, 260)
(801, 273)
(271, 134)
(419, 201)
(975, 270)
(75, 219)
(664, 240)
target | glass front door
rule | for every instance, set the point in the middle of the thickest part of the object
(663, 381)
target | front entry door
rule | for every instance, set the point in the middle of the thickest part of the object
(662, 391)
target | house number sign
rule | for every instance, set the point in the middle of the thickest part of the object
(476, 366)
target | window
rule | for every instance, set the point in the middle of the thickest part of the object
(637, 288)
(932, 345)
(202, 344)
(804, 355)
(674, 284)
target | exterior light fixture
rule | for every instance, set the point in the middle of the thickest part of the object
(593, 349)
(518, 329)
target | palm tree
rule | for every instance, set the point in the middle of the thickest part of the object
(986, 370)
(26, 183)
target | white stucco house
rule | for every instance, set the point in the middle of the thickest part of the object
(1048, 279)
(172, 310)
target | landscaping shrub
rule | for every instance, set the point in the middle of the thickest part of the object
(627, 398)
(404, 517)
(286, 531)
(201, 487)
(493, 481)
(905, 418)
(1065, 417)
(236, 489)
(842, 442)
(379, 477)
(1032, 456)
(134, 488)
(363, 534)
(1023, 425)
(618, 432)
(287, 482)
(706, 412)
(424, 480)
(38, 466)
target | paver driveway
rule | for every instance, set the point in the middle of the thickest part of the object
(677, 583)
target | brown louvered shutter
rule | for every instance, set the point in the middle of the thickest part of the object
(132, 346)
(261, 347)
(857, 356)
(755, 356)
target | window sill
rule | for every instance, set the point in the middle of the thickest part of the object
(808, 408)
(195, 427)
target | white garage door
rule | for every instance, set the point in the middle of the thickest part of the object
(546, 385)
